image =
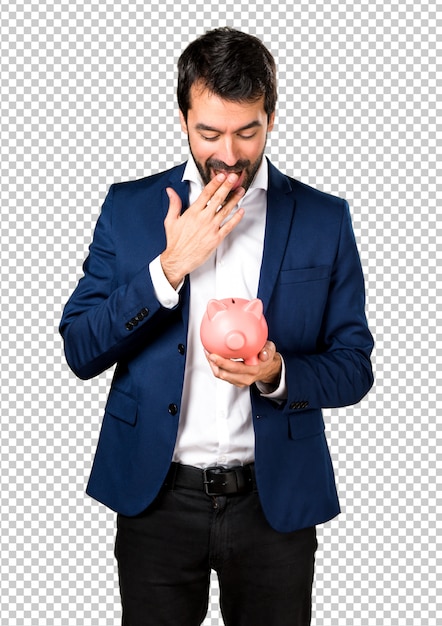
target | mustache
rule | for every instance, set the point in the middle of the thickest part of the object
(220, 165)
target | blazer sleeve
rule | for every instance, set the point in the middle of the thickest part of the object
(104, 322)
(339, 372)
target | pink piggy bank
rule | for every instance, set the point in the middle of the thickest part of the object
(234, 328)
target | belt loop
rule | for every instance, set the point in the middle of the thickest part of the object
(241, 478)
(171, 476)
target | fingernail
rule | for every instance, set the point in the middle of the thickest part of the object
(220, 177)
(232, 178)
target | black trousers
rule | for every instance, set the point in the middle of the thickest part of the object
(165, 556)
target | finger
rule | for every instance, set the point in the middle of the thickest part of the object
(213, 367)
(175, 204)
(234, 199)
(230, 366)
(264, 355)
(221, 199)
(233, 372)
(215, 192)
(226, 228)
(210, 189)
(267, 352)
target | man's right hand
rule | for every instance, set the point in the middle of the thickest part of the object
(193, 236)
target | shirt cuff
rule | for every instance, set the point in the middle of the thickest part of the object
(165, 293)
(280, 393)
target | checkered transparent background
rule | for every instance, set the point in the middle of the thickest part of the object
(87, 99)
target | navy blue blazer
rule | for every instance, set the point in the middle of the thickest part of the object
(312, 287)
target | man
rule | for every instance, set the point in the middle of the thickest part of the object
(209, 462)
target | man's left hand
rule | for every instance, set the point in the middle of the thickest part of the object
(267, 371)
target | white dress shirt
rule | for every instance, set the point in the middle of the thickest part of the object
(216, 420)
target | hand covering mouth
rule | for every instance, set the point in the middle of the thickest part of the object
(239, 173)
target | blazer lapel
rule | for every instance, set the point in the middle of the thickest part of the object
(280, 211)
(182, 188)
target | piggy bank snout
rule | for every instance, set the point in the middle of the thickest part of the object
(235, 340)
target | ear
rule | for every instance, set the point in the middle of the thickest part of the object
(255, 307)
(214, 307)
(271, 122)
(183, 123)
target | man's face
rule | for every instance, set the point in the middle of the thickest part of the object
(226, 136)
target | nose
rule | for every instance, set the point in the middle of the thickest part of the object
(228, 152)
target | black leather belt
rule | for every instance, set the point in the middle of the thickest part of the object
(214, 481)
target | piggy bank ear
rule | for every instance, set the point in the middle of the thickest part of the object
(214, 307)
(254, 307)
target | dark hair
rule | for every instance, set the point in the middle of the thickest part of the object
(232, 65)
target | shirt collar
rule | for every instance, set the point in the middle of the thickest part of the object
(261, 180)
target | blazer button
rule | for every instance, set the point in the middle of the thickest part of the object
(173, 409)
(144, 312)
(129, 326)
(181, 348)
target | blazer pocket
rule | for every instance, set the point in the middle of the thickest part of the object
(304, 275)
(121, 406)
(306, 424)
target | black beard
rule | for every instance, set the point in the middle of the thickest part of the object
(213, 164)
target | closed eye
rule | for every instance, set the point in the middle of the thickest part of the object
(211, 138)
(240, 135)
